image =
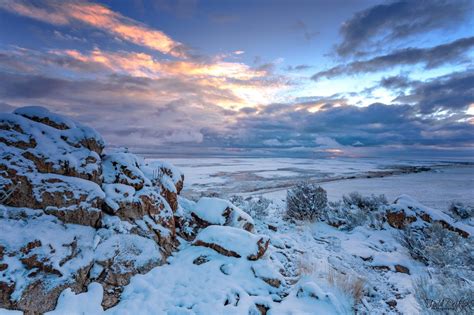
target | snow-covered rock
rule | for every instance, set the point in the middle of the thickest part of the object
(216, 211)
(407, 211)
(233, 242)
(59, 187)
(74, 215)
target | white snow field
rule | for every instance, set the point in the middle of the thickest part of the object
(446, 182)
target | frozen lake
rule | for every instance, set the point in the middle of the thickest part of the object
(437, 188)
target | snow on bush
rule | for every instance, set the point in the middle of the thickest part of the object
(442, 292)
(356, 210)
(437, 246)
(255, 206)
(461, 211)
(306, 201)
(366, 203)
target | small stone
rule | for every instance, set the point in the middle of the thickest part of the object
(402, 269)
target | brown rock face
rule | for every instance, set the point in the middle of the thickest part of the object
(399, 219)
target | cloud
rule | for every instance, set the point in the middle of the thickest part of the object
(430, 57)
(399, 20)
(229, 84)
(100, 17)
(451, 92)
(397, 82)
(301, 67)
(302, 27)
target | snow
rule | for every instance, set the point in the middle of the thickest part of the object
(127, 250)
(174, 172)
(123, 168)
(299, 255)
(212, 209)
(57, 147)
(118, 193)
(87, 303)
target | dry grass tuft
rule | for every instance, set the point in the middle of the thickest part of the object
(352, 285)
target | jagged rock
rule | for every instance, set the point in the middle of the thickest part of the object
(43, 258)
(120, 256)
(233, 242)
(163, 168)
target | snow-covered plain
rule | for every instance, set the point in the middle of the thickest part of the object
(437, 188)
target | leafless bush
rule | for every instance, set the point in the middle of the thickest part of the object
(461, 211)
(356, 210)
(255, 206)
(366, 203)
(305, 202)
(349, 283)
(437, 246)
(444, 293)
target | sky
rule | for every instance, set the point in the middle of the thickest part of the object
(249, 78)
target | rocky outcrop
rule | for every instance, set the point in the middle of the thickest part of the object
(406, 211)
(75, 215)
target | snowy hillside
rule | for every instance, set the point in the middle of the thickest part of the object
(87, 231)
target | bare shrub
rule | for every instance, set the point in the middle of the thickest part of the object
(444, 293)
(356, 210)
(435, 245)
(461, 211)
(305, 202)
(367, 203)
(255, 206)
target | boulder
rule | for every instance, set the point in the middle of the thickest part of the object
(265, 271)
(233, 242)
(216, 211)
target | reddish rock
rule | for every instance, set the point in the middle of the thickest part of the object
(402, 269)
(399, 219)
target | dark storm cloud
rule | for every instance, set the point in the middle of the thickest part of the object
(375, 125)
(429, 57)
(451, 92)
(397, 82)
(399, 20)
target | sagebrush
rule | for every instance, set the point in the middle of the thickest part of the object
(305, 202)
